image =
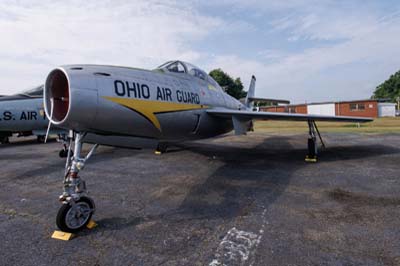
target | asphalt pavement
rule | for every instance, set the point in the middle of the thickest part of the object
(248, 200)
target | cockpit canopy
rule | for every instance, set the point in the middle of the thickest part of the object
(35, 92)
(187, 68)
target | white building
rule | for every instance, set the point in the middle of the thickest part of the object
(321, 109)
(386, 109)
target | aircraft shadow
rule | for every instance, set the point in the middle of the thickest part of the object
(259, 172)
(249, 177)
(340, 153)
(231, 189)
(57, 164)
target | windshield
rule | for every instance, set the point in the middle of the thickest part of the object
(164, 65)
(173, 66)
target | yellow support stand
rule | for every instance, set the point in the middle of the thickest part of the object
(311, 159)
(60, 235)
(92, 224)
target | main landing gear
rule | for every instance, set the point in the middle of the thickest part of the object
(66, 147)
(77, 208)
(64, 152)
(161, 148)
(4, 140)
(312, 141)
(40, 138)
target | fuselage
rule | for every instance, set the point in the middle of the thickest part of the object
(18, 114)
(120, 101)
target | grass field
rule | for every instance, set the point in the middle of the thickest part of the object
(379, 125)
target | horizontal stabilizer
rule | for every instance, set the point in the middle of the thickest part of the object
(268, 100)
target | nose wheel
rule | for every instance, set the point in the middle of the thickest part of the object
(77, 208)
(74, 216)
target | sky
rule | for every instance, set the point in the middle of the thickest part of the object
(303, 51)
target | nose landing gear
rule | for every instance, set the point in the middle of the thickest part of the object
(77, 208)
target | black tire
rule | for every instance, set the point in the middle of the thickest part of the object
(162, 147)
(311, 148)
(5, 140)
(41, 139)
(64, 153)
(61, 220)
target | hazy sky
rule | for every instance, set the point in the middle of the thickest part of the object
(299, 50)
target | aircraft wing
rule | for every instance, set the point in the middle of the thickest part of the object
(247, 115)
(241, 119)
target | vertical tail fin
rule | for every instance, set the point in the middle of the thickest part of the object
(251, 92)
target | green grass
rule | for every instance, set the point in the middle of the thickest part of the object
(379, 125)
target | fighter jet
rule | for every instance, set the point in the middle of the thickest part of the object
(23, 114)
(134, 107)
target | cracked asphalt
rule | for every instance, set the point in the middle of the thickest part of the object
(248, 200)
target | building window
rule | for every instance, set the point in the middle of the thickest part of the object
(290, 109)
(357, 107)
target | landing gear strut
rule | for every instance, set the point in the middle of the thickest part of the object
(312, 141)
(77, 208)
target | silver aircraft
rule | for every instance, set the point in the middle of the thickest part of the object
(23, 114)
(134, 107)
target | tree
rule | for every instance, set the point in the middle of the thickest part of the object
(231, 86)
(390, 89)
